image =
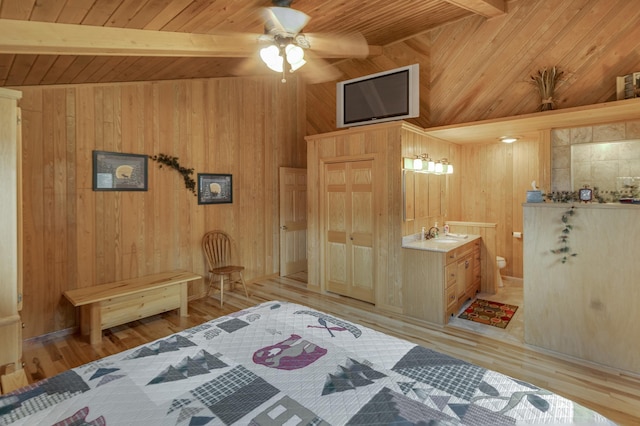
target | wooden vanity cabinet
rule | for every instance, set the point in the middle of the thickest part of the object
(437, 284)
(463, 276)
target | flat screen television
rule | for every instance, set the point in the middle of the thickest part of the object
(384, 96)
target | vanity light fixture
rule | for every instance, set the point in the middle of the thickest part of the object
(508, 139)
(425, 164)
(428, 165)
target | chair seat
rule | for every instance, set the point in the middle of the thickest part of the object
(226, 269)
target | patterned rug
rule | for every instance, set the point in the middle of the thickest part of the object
(490, 313)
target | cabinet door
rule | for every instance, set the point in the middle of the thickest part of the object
(461, 279)
(464, 277)
(469, 274)
(349, 217)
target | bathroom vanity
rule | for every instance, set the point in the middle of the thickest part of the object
(439, 276)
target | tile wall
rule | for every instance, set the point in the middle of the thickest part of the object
(595, 156)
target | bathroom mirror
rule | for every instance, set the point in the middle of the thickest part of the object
(422, 199)
(408, 195)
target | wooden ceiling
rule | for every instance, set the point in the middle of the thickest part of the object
(63, 42)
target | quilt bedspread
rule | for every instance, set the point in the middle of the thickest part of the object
(281, 363)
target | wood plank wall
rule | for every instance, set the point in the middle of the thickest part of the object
(495, 179)
(479, 69)
(387, 143)
(75, 237)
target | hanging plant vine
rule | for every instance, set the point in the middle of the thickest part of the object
(565, 251)
(172, 162)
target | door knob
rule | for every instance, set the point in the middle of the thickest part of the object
(284, 228)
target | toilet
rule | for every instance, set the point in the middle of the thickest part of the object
(501, 264)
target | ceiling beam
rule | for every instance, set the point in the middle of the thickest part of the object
(486, 8)
(45, 38)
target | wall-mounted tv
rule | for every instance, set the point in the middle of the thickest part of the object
(384, 96)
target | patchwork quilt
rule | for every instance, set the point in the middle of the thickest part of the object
(285, 364)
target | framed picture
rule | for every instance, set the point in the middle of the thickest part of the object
(115, 171)
(214, 188)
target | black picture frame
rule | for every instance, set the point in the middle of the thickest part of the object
(215, 188)
(117, 171)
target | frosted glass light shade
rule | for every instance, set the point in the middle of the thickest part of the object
(295, 56)
(290, 19)
(431, 166)
(270, 55)
(439, 168)
(417, 164)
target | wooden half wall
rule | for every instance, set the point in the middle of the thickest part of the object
(76, 237)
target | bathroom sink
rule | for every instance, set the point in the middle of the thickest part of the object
(446, 240)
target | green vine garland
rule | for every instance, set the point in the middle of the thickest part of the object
(563, 240)
(172, 162)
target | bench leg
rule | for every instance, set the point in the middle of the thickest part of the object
(95, 322)
(184, 299)
(85, 315)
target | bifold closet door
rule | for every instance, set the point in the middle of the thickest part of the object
(349, 221)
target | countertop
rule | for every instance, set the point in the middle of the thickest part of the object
(436, 244)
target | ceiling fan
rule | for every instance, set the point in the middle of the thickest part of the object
(286, 49)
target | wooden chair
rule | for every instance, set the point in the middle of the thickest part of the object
(217, 249)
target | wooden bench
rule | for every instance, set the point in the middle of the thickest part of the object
(107, 305)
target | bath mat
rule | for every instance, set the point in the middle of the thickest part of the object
(490, 313)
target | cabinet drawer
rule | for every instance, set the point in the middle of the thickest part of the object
(460, 252)
(450, 272)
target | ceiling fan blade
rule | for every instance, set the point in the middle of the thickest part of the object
(334, 45)
(317, 70)
(252, 66)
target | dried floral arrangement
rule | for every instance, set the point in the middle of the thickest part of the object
(545, 80)
(172, 162)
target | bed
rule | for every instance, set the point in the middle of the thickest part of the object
(281, 363)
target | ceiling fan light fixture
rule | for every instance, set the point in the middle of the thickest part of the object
(270, 55)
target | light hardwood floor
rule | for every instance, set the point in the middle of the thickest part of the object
(615, 394)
